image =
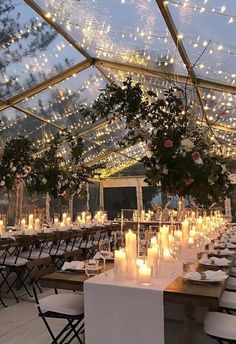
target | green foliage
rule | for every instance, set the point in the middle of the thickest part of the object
(16, 162)
(180, 154)
(52, 174)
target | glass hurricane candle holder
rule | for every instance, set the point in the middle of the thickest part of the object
(144, 274)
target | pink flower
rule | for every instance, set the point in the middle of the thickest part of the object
(189, 181)
(149, 146)
(210, 197)
(168, 143)
(196, 155)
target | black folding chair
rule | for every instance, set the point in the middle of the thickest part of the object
(63, 306)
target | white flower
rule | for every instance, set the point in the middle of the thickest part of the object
(2, 183)
(44, 180)
(157, 167)
(165, 170)
(13, 169)
(199, 161)
(224, 169)
(187, 145)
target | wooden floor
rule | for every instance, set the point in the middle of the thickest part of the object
(20, 324)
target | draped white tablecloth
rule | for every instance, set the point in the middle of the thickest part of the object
(124, 312)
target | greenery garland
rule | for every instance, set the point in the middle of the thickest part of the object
(180, 154)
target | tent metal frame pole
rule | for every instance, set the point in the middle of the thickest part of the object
(29, 113)
(58, 28)
(168, 76)
(79, 67)
(64, 34)
(181, 49)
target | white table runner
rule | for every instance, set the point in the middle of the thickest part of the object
(124, 312)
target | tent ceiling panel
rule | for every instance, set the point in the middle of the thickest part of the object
(116, 162)
(60, 104)
(26, 126)
(125, 31)
(31, 51)
(221, 107)
(201, 23)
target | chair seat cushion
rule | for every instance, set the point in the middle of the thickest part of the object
(33, 255)
(231, 283)
(69, 304)
(228, 300)
(11, 261)
(220, 325)
(233, 272)
(54, 251)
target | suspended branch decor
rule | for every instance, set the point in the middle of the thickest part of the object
(180, 154)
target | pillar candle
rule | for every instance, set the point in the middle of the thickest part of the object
(166, 255)
(152, 256)
(164, 231)
(56, 222)
(144, 274)
(68, 221)
(22, 224)
(120, 265)
(185, 231)
(64, 216)
(37, 225)
(31, 220)
(1, 227)
(154, 241)
(131, 253)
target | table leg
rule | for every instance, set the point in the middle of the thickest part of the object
(189, 325)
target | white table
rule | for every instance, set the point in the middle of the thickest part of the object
(124, 312)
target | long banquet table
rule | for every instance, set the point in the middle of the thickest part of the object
(176, 291)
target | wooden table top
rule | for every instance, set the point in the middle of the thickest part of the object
(67, 280)
(179, 291)
(184, 292)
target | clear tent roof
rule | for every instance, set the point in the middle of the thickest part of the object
(56, 55)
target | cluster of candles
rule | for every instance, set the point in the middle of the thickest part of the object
(100, 217)
(33, 224)
(128, 265)
(143, 215)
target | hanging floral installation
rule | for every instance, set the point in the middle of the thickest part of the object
(180, 154)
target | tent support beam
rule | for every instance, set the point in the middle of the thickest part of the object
(79, 67)
(180, 47)
(168, 76)
(57, 28)
(39, 118)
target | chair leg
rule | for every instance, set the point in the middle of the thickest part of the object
(10, 288)
(77, 332)
(49, 329)
(3, 303)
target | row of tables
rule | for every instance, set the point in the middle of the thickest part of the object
(178, 291)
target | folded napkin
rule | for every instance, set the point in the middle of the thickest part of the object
(230, 245)
(219, 245)
(232, 239)
(222, 240)
(206, 275)
(215, 261)
(225, 252)
(74, 265)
